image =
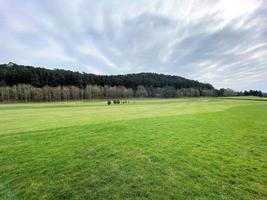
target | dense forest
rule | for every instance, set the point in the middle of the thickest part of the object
(26, 83)
(13, 74)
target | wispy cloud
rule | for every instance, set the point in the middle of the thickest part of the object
(222, 42)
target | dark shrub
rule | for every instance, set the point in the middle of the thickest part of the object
(116, 101)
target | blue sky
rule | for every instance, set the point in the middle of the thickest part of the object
(223, 42)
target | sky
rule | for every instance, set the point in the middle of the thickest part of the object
(222, 42)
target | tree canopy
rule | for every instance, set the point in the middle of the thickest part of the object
(13, 74)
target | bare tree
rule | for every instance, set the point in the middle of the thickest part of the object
(141, 91)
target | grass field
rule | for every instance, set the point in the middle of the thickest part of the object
(195, 148)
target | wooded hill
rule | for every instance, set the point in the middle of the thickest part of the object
(13, 74)
(26, 84)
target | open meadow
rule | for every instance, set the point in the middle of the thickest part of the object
(191, 148)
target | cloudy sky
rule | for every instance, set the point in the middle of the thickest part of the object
(223, 42)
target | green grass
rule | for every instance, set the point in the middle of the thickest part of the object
(195, 148)
(246, 98)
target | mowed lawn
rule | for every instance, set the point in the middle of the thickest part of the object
(198, 148)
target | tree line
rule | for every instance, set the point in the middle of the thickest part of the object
(13, 74)
(253, 93)
(29, 84)
(29, 93)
